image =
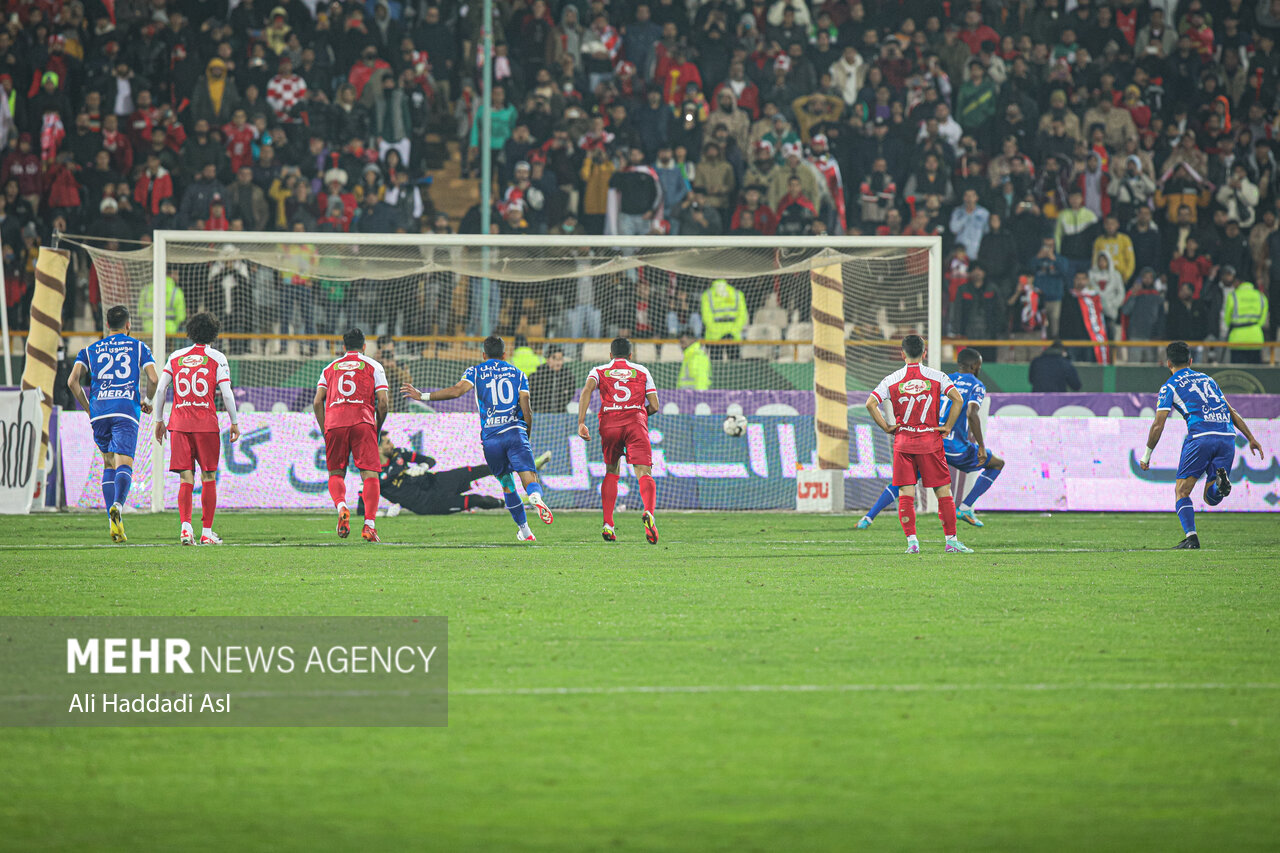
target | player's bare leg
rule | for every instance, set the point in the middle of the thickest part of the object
(947, 512)
(208, 505)
(186, 492)
(986, 479)
(649, 497)
(533, 488)
(372, 493)
(608, 500)
(1186, 514)
(338, 492)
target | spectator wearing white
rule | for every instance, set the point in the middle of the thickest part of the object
(1106, 278)
(969, 223)
(848, 73)
(1239, 196)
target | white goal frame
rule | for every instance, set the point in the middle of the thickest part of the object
(160, 267)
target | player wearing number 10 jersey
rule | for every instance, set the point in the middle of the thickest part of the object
(627, 398)
(506, 420)
(914, 392)
(350, 405)
(198, 373)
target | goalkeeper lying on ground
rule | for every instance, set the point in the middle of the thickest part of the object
(408, 482)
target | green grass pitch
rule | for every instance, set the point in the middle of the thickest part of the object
(755, 682)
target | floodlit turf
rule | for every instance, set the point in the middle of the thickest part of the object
(754, 682)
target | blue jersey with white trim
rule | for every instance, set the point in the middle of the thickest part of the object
(973, 391)
(115, 366)
(1200, 402)
(498, 387)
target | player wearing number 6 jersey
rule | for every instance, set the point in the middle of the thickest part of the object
(914, 392)
(627, 398)
(1210, 445)
(198, 373)
(506, 420)
(351, 403)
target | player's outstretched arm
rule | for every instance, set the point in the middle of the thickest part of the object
(953, 414)
(873, 406)
(452, 393)
(1153, 437)
(317, 406)
(584, 401)
(77, 389)
(1254, 445)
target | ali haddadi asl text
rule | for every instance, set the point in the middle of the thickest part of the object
(152, 703)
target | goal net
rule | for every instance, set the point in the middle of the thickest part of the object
(790, 332)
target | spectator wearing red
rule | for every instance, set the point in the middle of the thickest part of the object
(23, 166)
(239, 135)
(975, 32)
(746, 92)
(143, 120)
(676, 77)
(763, 219)
(153, 186)
(1190, 267)
(362, 72)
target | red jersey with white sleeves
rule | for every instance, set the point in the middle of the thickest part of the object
(914, 391)
(352, 384)
(623, 387)
(195, 374)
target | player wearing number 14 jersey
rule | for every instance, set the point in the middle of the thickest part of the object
(350, 405)
(627, 398)
(197, 373)
(914, 392)
(506, 420)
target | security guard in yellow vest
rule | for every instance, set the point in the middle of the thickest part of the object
(1246, 318)
(695, 370)
(175, 309)
(724, 316)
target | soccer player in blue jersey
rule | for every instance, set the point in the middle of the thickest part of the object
(115, 365)
(964, 447)
(1210, 445)
(506, 419)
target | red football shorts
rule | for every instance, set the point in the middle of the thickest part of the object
(358, 442)
(929, 467)
(629, 437)
(188, 448)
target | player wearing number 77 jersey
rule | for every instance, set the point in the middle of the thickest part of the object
(350, 405)
(914, 392)
(627, 398)
(198, 373)
(506, 419)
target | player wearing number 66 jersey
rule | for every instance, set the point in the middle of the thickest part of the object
(350, 405)
(197, 373)
(506, 420)
(627, 398)
(914, 392)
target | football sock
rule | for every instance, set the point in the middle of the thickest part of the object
(888, 496)
(515, 506)
(124, 479)
(109, 486)
(185, 492)
(947, 512)
(907, 514)
(372, 494)
(1186, 515)
(338, 490)
(1213, 497)
(609, 496)
(533, 489)
(208, 502)
(985, 481)
(648, 492)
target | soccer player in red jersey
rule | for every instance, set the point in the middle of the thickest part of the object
(350, 405)
(198, 373)
(914, 392)
(627, 398)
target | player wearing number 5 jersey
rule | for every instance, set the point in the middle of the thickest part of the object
(1210, 445)
(914, 392)
(506, 420)
(115, 365)
(627, 398)
(198, 373)
(351, 403)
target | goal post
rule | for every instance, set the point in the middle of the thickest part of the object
(286, 297)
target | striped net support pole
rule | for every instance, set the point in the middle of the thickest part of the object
(46, 334)
(831, 401)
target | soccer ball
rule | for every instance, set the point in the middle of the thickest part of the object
(735, 425)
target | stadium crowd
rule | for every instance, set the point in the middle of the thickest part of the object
(1123, 150)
